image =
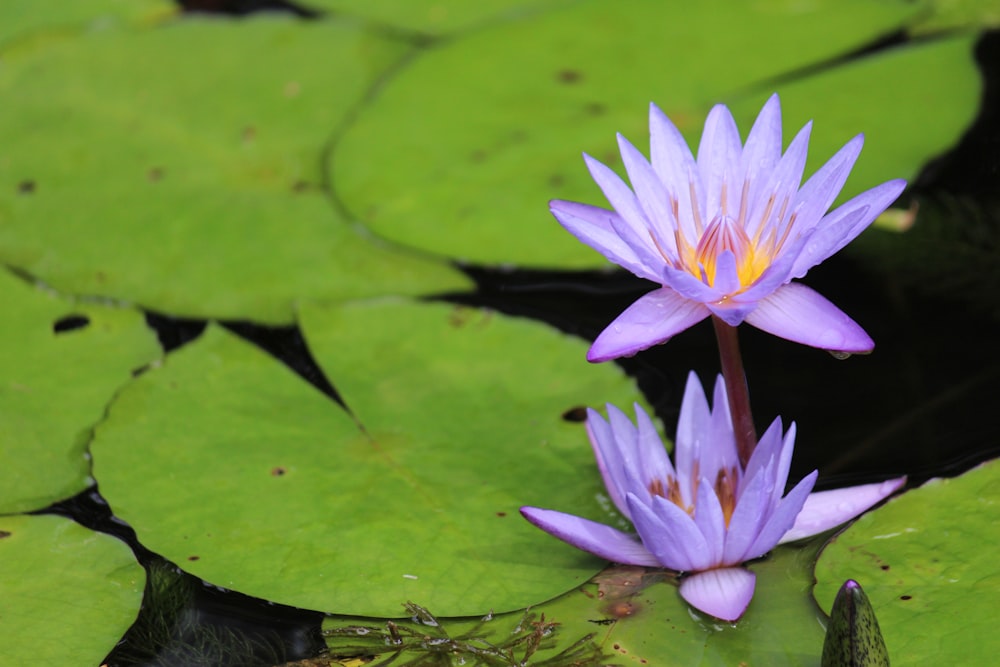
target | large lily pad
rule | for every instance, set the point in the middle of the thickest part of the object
(435, 16)
(460, 152)
(29, 23)
(68, 593)
(231, 466)
(179, 167)
(61, 361)
(926, 563)
(635, 616)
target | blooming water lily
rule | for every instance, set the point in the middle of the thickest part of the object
(724, 234)
(704, 514)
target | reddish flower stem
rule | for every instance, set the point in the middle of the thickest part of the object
(736, 389)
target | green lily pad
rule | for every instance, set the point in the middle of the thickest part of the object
(924, 561)
(887, 84)
(180, 167)
(635, 616)
(435, 16)
(266, 486)
(957, 15)
(460, 152)
(68, 593)
(32, 22)
(61, 361)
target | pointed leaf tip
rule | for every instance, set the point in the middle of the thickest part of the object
(853, 638)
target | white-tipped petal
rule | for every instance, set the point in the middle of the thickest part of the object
(824, 510)
(724, 593)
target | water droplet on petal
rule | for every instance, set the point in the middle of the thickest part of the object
(837, 354)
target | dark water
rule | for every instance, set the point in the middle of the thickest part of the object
(922, 404)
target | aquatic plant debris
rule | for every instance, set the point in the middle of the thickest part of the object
(724, 234)
(704, 514)
(425, 639)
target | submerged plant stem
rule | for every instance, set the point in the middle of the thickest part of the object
(736, 389)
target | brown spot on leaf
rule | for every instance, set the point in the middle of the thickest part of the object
(595, 109)
(568, 76)
(905, 597)
(155, 174)
(193, 558)
(26, 187)
(278, 471)
(5, 533)
(501, 514)
(623, 609)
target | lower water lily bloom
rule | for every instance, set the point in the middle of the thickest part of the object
(702, 514)
(725, 234)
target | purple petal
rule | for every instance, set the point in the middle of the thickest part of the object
(710, 520)
(818, 193)
(651, 194)
(824, 510)
(592, 226)
(723, 593)
(748, 517)
(727, 274)
(693, 425)
(762, 149)
(781, 184)
(732, 312)
(719, 157)
(718, 444)
(609, 459)
(783, 518)
(652, 319)
(767, 452)
(651, 457)
(844, 224)
(799, 314)
(688, 286)
(631, 224)
(669, 534)
(673, 163)
(596, 538)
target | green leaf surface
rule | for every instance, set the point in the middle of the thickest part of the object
(636, 616)
(30, 23)
(188, 171)
(460, 152)
(268, 487)
(68, 593)
(926, 563)
(434, 16)
(54, 386)
(898, 89)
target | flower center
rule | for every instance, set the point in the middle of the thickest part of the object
(753, 253)
(725, 490)
(672, 492)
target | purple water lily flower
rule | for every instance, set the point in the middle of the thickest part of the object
(725, 234)
(703, 514)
